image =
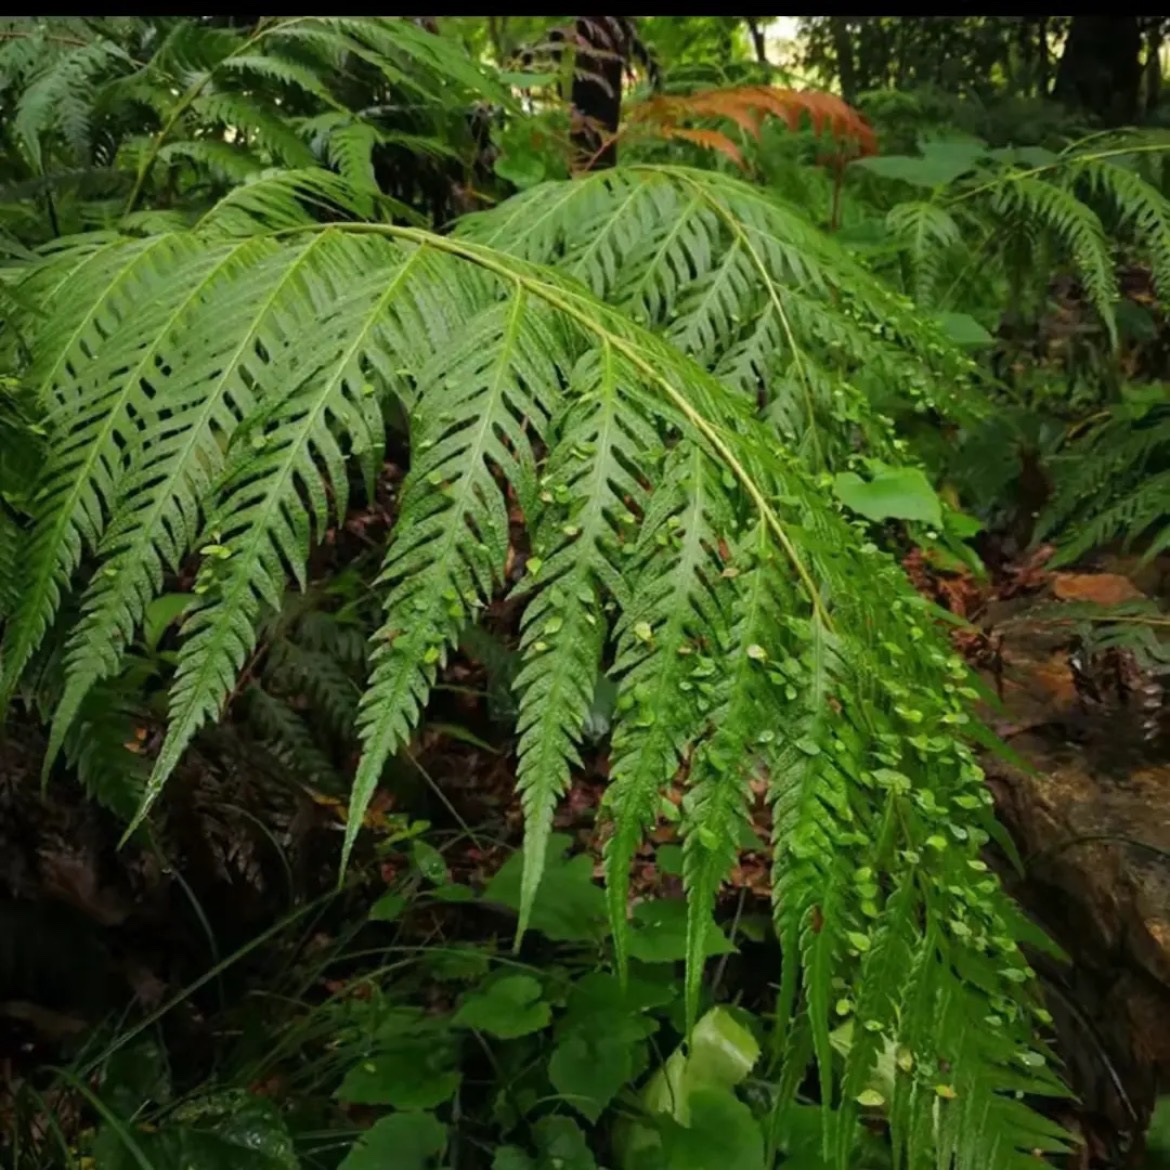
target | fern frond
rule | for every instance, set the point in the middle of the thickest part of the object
(744, 715)
(1076, 225)
(808, 882)
(158, 509)
(591, 480)
(62, 97)
(929, 232)
(87, 460)
(225, 405)
(264, 128)
(287, 737)
(261, 524)
(1110, 485)
(1141, 208)
(278, 200)
(748, 106)
(227, 162)
(744, 282)
(481, 413)
(668, 641)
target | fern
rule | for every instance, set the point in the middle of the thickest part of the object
(745, 284)
(747, 106)
(1024, 207)
(1113, 484)
(61, 98)
(209, 108)
(212, 390)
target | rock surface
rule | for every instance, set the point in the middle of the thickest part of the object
(1088, 805)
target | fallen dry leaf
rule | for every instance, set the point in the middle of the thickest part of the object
(1100, 588)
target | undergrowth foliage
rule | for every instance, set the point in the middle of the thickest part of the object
(211, 390)
(1015, 214)
(1114, 482)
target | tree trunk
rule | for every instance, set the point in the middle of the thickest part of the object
(1100, 70)
(496, 34)
(1044, 62)
(1154, 36)
(602, 46)
(761, 45)
(843, 48)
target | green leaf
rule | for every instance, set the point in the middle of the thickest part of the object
(160, 614)
(940, 165)
(894, 493)
(416, 1074)
(600, 1001)
(588, 1070)
(388, 907)
(722, 1134)
(512, 1158)
(429, 862)
(964, 330)
(406, 1141)
(226, 1131)
(722, 1051)
(569, 905)
(561, 1145)
(659, 933)
(1158, 1136)
(454, 892)
(510, 1007)
(521, 165)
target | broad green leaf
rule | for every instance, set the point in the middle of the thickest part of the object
(964, 330)
(510, 1007)
(659, 933)
(429, 862)
(416, 1074)
(232, 1130)
(569, 905)
(599, 1000)
(404, 1141)
(722, 1135)
(1158, 1137)
(560, 1145)
(722, 1051)
(894, 493)
(940, 165)
(388, 907)
(453, 892)
(588, 1070)
(160, 614)
(521, 165)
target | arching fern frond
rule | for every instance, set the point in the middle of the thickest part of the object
(229, 409)
(742, 282)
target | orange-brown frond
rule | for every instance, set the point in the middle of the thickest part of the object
(748, 105)
(712, 139)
